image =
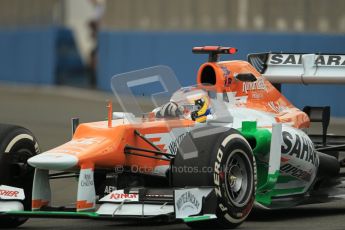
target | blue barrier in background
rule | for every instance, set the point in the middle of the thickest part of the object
(125, 51)
(28, 55)
(38, 55)
(50, 56)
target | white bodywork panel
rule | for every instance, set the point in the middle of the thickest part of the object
(305, 69)
(53, 161)
(134, 209)
(119, 196)
(86, 191)
(188, 202)
(41, 187)
(275, 149)
(245, 114)
(8, 206)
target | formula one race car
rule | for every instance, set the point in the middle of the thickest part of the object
(206, 156)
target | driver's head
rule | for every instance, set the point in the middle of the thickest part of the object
(202, 109)
(199, 103)
(192, 100)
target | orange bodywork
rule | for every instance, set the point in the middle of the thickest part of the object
(83, 204)
(37, 204)
(97, 145)
(114, 143)
(102, 144)
(260, 95)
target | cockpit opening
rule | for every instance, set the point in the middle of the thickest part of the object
(208, 76)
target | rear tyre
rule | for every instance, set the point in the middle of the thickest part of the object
(234, 179)
(17, 145)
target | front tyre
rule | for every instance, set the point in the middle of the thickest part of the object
(234, 179)
(17, 145)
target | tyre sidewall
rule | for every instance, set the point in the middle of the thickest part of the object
(228, 213)
(14, 141)
(17, 138)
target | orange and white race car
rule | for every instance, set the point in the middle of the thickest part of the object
(206, 156)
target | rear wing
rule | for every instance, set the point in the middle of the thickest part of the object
(300, 68)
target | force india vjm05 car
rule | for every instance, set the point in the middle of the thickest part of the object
(206, 157)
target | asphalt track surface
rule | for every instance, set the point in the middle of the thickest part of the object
(47, 113)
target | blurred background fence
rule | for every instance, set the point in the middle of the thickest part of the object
(50, 42)
(207, 15)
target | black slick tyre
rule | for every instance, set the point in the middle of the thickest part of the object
(17, 145)
(234, 179)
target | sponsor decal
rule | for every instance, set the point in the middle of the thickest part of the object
(296, 59)
(187, 200)
(124, 196)
(259, 84)
(109, 189)
(299, 146)
(173, 146)
(87, 180)
(227, 81)
(8, 193)
(11, 193)
(277, 107)
(120, 196)
(256, 95)
(226, 75)
(217, 171)
(296, 172)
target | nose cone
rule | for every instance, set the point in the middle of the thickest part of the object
(53, 161)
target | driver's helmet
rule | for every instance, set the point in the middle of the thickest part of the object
(195, 103)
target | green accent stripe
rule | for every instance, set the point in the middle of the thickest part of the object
(261, 136)
(198, 218)
(286, 179)
(265, 198)
(270, 183)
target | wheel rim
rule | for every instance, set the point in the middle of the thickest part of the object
(238, 178)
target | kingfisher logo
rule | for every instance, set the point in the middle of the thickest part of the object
(11, 193)
(8, 193)
(256, 85)
(120, 196)
(117, 196)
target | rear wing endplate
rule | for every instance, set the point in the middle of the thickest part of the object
(300, 68)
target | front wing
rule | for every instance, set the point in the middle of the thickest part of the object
(187, 204)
